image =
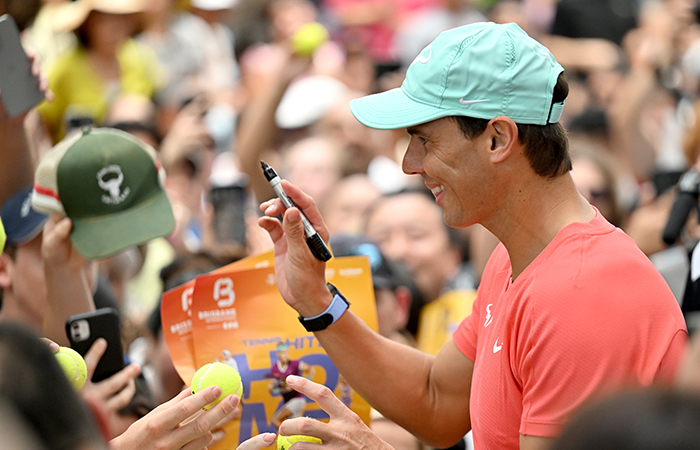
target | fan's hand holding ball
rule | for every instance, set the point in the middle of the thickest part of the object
(73, 366)
(217, 374)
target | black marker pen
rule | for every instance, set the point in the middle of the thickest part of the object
(313, 239)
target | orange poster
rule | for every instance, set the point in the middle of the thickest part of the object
(238, 315)
(176, 315)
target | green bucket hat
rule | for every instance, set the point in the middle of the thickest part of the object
(110, 184)
(482, 70)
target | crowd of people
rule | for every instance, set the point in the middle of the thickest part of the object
(215, 86)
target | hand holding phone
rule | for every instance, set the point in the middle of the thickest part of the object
(85, 328)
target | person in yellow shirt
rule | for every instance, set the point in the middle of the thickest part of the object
(106, 64)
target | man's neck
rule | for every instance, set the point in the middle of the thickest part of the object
(531, 218)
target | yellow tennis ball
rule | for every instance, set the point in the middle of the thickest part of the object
(308, 38)
(284, 442)
(217, 374)
(73, 366)
(3, 236)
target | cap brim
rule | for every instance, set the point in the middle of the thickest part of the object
(100, 237)
(393, 109)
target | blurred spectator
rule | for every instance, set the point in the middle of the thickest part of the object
(179, 55)
(36, 291)
(421, 29)
(595, 19)
(315, 164)
(218, 74)
(395, 293)
(35, 387)
(346, 203)
(644, 419)
(106, 63)
(409, 227)
(152, 351)
(594, 178)
(44, 34)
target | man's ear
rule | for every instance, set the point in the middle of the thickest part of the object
(504, 136)
(6, 267)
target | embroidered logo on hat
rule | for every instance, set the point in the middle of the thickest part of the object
(110, 184)
(423, 59)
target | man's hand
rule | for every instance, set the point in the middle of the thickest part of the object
(345, 429)
(300, 276)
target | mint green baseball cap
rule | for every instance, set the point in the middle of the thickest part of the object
(482, 70)
(110, 184)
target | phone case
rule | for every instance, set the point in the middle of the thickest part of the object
(19, 89)
(83, 329)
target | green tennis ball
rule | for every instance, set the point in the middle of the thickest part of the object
(308, 38)
(73, 366)
(217, 374)
(284, 442)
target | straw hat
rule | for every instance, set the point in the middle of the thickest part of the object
(71, 15)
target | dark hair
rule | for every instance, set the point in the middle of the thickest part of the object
(546, 146)
(35, 386)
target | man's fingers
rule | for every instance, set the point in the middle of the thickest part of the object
(258, 442)
(272, 226)
(306, 204)
(319, 393)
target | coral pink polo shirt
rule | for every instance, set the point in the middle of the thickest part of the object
(588, 315)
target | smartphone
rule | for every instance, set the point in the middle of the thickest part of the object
(229, 203)
(19, 89)
(83, 330)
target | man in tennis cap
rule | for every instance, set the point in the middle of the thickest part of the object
(568, 307)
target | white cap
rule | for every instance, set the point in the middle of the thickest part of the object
(307, 100)
(213, 5)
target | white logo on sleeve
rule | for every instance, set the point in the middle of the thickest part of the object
(497, 348)
(489, 317)
(113, 184)
(423, 59)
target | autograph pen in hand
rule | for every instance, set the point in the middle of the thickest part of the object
(313, 239)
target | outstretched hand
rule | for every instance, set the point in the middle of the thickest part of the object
(345, 430)
(180, 423)
(300, 276)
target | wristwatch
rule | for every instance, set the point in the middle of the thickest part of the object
(336, 309)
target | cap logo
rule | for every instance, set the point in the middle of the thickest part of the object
(469, 102)
(423, 59)
(26, 206)
(112, 185)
